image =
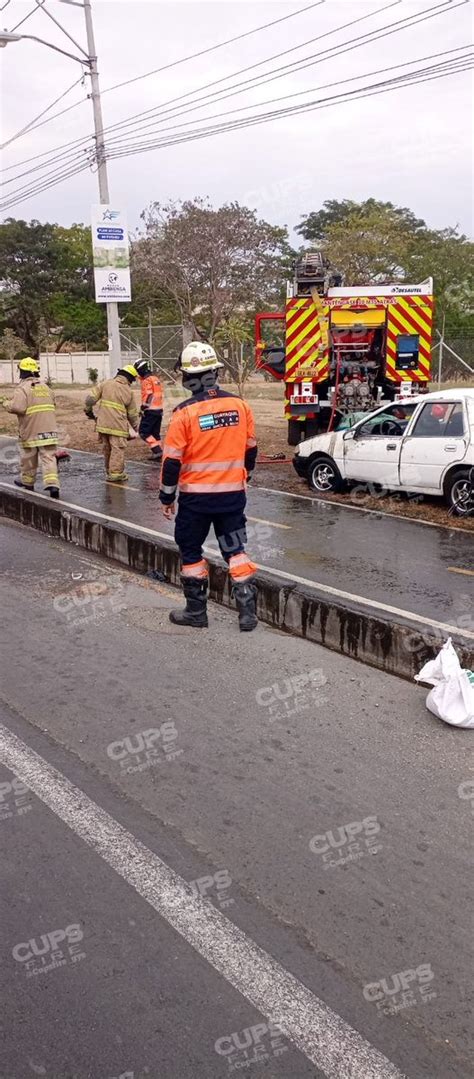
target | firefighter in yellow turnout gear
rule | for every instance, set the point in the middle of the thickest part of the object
(117, 409)
(33, 403)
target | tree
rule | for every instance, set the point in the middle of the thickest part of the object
(214, 264)
(314, 227)
(47, 278)
(369, 245)
(234, 341)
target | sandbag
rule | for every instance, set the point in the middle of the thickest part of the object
(452, 696)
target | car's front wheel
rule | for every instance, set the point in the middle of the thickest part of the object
(324, 475)
(459, 492)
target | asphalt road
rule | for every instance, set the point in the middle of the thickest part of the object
(411, 566)
(323, 820)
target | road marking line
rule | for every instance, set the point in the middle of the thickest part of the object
(274, 524)
(123, 486)
(358, 509)
(318, 1032)
(455, 569)
(373, 603)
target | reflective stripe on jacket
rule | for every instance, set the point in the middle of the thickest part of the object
(33, 403)
(210, 445)
(152, 392)
(117, 406)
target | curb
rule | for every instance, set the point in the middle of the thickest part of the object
(398, 645)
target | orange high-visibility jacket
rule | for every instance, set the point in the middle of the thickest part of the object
(152, 392)
(210, 446)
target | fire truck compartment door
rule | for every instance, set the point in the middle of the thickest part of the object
(352, 319)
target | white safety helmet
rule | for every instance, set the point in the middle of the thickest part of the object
(198, 357)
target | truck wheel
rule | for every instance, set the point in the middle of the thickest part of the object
(324, 475)
(459, 491)
(296, 431)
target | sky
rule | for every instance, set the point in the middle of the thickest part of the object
(410, 146)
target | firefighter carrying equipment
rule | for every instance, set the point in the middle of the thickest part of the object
(29, 364)
(197, 358)
(117, 408)
(195, 612)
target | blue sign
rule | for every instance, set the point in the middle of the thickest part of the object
(110, 234)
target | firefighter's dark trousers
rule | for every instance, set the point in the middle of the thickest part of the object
(150, 427)
(196, 514)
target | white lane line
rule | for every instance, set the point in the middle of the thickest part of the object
(285, 576)
(261, 521)
(358, 509)
(318, 1032)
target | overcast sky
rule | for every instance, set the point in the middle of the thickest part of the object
(410, 146)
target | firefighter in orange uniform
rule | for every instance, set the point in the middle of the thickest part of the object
(152, 408)
(209, 453)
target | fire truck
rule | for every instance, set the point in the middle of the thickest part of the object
(344, 350)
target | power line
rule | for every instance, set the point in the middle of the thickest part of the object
(181, 60)
(76, 155)
(360, 93)
(369, 91)
(129, 120)
(337, 82)
(33, 124)
(38, 5)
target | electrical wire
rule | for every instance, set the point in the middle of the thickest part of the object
(38, 5)
(181, 60)
(408, 79)
(393, 27)
(361, 92)
(337, 82)
(33, 124)
(299, 65)
(130, 120)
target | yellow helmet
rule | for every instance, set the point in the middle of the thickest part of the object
(28, 364)
(130, 369)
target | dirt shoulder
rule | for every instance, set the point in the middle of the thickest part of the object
(77, 432)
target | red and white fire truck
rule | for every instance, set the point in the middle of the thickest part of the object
(340, 350)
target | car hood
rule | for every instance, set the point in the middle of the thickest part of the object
(330, 443)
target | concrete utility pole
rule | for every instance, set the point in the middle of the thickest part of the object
(89, 60)
(113, 326)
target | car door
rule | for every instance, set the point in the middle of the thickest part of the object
(372, 455)
(439, 438)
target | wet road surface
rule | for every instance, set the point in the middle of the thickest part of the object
(330, 827)
(395, 561)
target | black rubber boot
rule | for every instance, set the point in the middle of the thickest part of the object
(245, 595)
(27, 486)
(53, 491)
(195, 612)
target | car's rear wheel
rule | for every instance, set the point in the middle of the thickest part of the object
(459, 492)
(324, 475)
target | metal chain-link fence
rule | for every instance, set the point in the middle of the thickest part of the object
(161, 345)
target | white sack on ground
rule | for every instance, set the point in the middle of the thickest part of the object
(452, 696)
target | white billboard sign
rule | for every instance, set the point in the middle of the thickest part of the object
(111, 255)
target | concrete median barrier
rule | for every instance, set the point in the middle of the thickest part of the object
(373, 633)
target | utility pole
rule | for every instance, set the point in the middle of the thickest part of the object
(440, 357)
(113, 326)
(150, 337)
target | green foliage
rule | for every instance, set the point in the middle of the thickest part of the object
(212, 264)
(92, 374)
(314, 227)
(375, 241)
(48, 285)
